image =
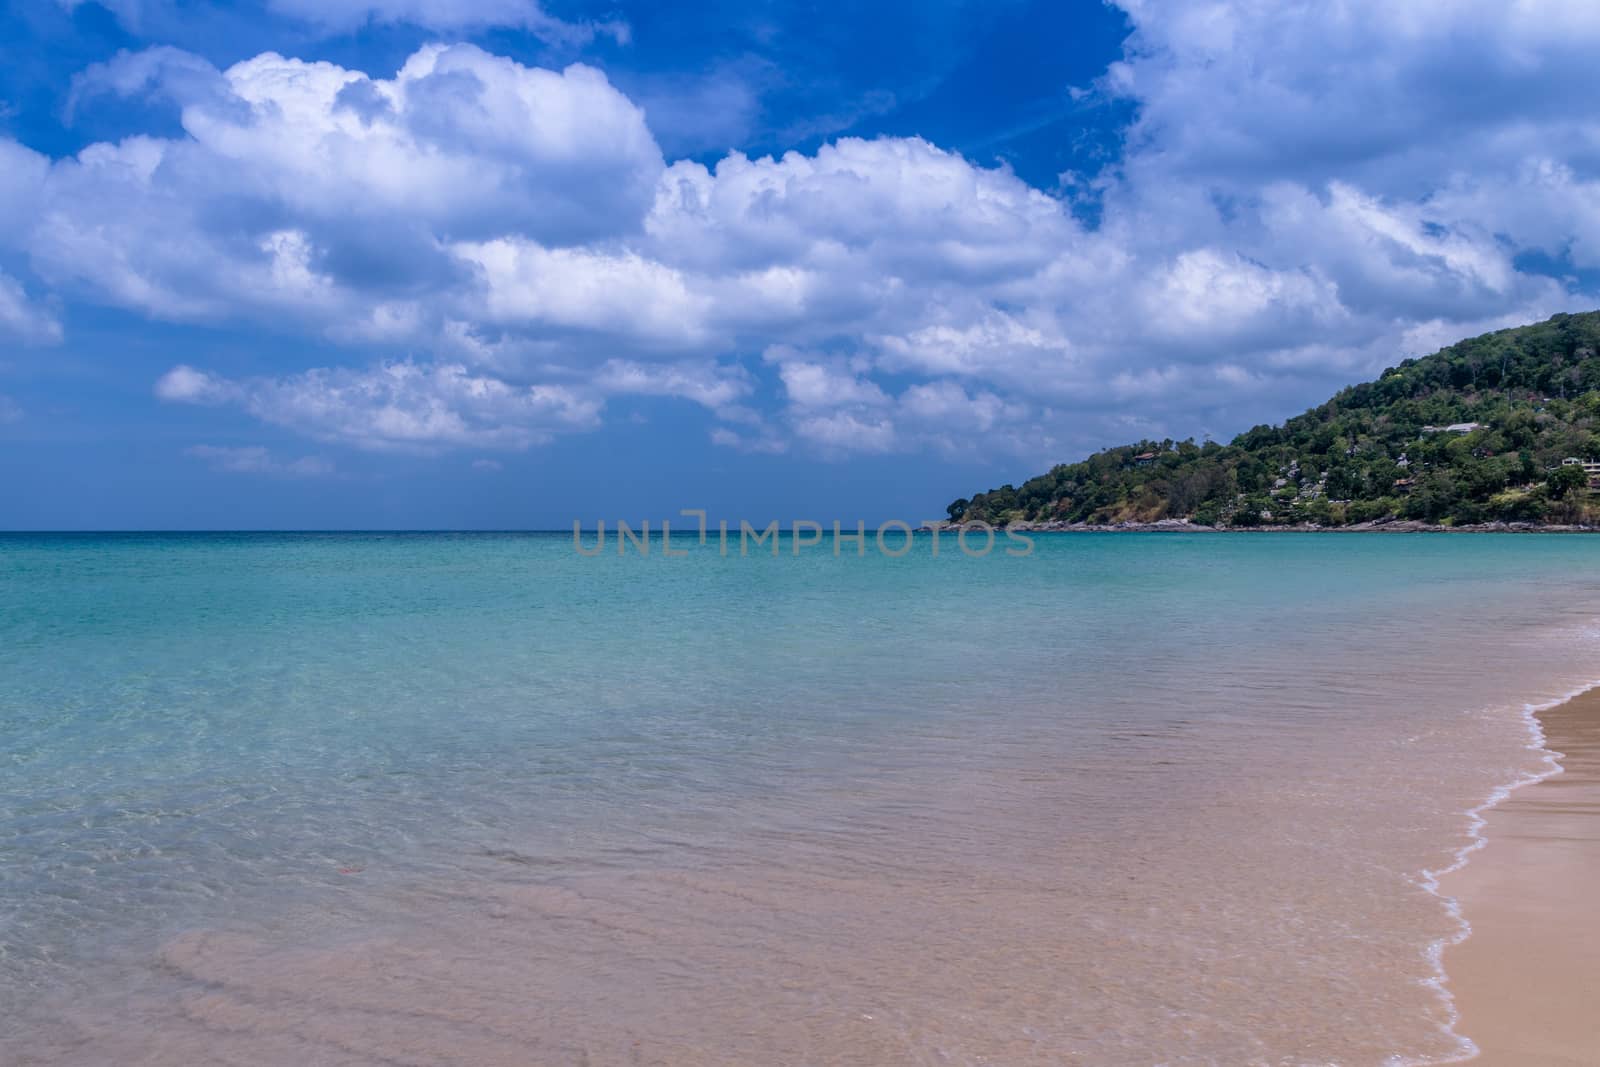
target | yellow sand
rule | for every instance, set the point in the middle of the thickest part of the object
(1527, 981)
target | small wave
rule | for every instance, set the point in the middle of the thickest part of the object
(1430, 879)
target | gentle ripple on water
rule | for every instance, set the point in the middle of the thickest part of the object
(423, 799)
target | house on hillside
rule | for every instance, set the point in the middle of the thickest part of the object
(1456, 427)
(1590, 467)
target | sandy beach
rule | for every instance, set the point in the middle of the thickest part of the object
(1527, 979)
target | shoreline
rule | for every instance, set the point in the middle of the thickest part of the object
(1185, 526)
(1520, 973)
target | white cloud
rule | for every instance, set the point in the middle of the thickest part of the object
(912, 208)
(947, 405)
(710, 385)
(345, 15)
(316, 192)
(577, 289)
(986, 343)
(1212, 296)
(22, 319)
(1309, 192)
(816, 385)
(23, 173)
(418, 407)
(10, 410)
(839, 411)
(185, 384)
(846, 431)
(1388, 96)
(397, 406)
(257, 460)
(762, 441)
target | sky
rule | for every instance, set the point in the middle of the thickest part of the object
(497, 264)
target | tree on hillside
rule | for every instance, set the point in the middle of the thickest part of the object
(1520, 402)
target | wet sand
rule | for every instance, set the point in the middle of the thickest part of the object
(1527, 980)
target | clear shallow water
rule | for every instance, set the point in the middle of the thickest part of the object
(473, 798)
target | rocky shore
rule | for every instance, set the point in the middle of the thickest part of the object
(1379, 526)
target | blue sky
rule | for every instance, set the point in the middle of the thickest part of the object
(490, 263)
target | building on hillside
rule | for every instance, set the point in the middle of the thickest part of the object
(1590, 467)
(1455, 427)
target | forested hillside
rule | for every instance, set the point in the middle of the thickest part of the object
(1474, 433)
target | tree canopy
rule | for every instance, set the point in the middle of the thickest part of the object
(1475, 432)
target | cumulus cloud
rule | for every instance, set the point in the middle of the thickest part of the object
(917, 210)
(1387, 96)
(309, 190)
(817, 385)
(1308, 193)
(618, 294)
(1403, 155)
(257, 460)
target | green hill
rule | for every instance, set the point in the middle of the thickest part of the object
(1476, 432)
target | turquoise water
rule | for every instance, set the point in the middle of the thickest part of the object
(723, 809)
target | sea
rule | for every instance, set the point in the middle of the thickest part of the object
(482, 798)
